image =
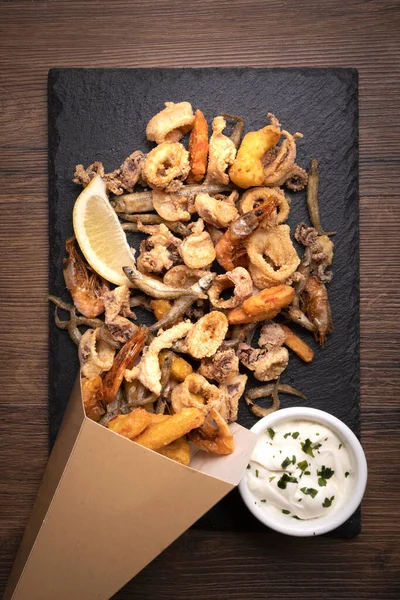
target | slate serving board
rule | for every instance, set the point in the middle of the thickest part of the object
(101, 114)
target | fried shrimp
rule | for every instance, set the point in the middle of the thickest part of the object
(86, 290)
(230, 249)
(222, 152)
(273, 258)
(198, 148)
(166, 167)
(195, 392)
(207, 335)
(238, 279)
(216, 439)
(149, 372)
(170, 124)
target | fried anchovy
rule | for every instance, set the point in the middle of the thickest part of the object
(176, 227)
(312, 198)
(181, 305)
(260, 392)
(237, 129)
(153, 287)
(74, 320)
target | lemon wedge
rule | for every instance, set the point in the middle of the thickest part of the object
(100, 235)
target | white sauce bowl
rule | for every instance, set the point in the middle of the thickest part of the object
(334, 519)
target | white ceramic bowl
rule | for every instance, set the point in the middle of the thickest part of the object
(322, 524)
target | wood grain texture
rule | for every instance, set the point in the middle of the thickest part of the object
(35, 36)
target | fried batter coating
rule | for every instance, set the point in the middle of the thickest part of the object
(166, 167)
(95, 355)
(271, 336)
(197, 250)
(222, 152)
(170, 207)
(159, 252)
(170, 124)
(198, 148)
(247, 170)
(149, 372)
(273, 258)
(220, 367)
(195, 391)
(132, 424)
(123, 179)
(216, 212)
(92, 396)
(117, 309)
(266, 365)
(216, 439)
(205, 337)
(233, 390)
(183, 276)
(238, 279)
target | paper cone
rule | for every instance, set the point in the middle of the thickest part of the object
(107, 507)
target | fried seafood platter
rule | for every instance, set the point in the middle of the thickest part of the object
(223, 277)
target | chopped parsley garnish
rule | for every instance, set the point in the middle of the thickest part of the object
(324, 474)
(249, 466)
(346, 474)
(309, 492)
(256, 472)
(295, 435)
(308, 447)
(317, 434)
(302, 465)
(296, 517)
(273, 477)
(287, 435)
(271, 433)
(263, 500)
(307, 472)
(300, 499)
(293, 459)
(286, 512)
(286, 463)
(328, 501)
(340, 446)
(284, 480)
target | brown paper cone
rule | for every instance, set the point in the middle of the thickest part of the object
(107, 507)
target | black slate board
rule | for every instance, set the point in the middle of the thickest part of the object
(101, 114)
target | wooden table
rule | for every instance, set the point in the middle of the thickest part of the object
(36, 35)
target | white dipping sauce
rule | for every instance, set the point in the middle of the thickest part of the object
(300, 468)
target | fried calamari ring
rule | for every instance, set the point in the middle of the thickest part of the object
(259, 195)
(273, 258)
(196, 392)
(95, 355)
(170, 124)
(247, 170)
(198, 148)
(238, 279)
(207, 335)
(166, 167)
(170, 207)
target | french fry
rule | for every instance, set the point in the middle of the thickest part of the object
(178, 450)
(170, 429)
(132, 424)
(160, 307)
(180, 368)
(238, 316)
(296, 344)
(269, 299)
